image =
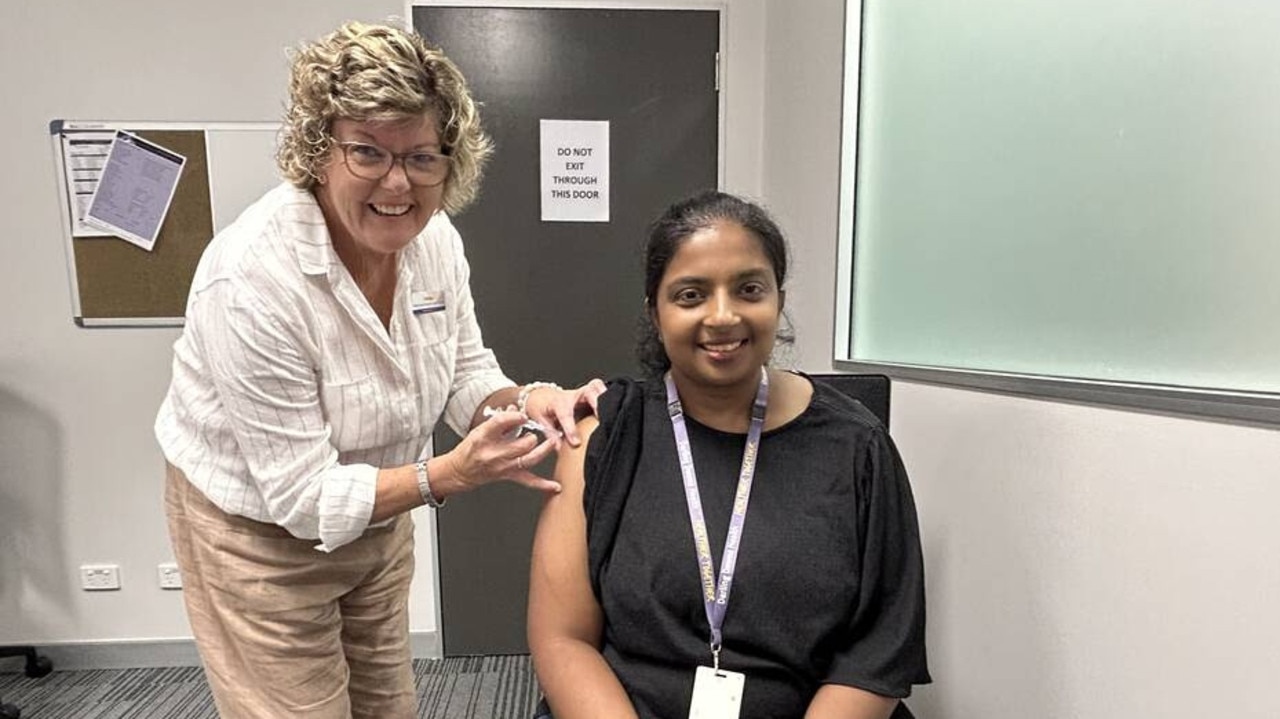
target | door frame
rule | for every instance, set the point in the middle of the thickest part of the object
(434, 646)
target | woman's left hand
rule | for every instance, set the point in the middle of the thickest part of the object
(559, 408)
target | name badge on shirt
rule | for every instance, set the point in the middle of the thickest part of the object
(717, 694)
(424, 302)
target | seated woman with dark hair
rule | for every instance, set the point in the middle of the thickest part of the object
(721, 474)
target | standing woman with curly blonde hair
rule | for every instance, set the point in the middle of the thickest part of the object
(329, 329)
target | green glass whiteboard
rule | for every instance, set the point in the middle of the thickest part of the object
(1074, 192)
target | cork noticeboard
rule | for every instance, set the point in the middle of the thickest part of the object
(115, 283)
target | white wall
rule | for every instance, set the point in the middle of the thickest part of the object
(80, 475)
(1082, 561)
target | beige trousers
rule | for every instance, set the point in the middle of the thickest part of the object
(285, 630)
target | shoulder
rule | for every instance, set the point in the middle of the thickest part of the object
(840, 407)
(837, 428)
(260, 261)
(611, 455)
(623, 394)
(615, 439)
(283, 210)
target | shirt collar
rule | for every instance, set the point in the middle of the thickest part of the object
(315, 252)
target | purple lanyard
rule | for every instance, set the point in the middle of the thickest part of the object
(715, 598)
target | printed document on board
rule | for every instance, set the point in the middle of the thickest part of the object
(83, 155)
(135, 189)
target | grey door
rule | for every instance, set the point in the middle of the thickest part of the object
(559, 301)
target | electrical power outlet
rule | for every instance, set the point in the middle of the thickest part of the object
(99, 577)
(170, 577)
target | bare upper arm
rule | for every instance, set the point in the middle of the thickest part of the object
(561, 603)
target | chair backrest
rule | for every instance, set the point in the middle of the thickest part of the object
(872, 390)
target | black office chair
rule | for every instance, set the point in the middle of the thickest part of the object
(37, 666)
(872, 390)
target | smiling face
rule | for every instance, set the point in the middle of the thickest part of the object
(378, 217)
(717, 308)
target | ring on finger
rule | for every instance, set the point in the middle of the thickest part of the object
(520, 462)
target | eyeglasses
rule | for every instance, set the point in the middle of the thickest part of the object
(370, 162)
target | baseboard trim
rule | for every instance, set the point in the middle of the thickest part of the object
(426, 645)
(138, 654)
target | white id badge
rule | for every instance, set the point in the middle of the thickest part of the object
(717, 694)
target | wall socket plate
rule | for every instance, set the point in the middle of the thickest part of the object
(170, 577)
(99, 577)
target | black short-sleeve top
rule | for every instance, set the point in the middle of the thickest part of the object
(829, 585)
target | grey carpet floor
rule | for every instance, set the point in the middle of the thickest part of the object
(491, 687)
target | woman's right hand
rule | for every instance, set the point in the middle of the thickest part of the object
(490, 453)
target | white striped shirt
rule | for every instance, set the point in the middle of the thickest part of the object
(288, 393)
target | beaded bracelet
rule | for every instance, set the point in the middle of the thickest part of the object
(522, 398)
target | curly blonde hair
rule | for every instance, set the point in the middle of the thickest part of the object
(378, 72)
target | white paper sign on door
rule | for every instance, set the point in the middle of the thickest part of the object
(575, 170)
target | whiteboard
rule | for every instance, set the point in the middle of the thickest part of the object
(1045, 197)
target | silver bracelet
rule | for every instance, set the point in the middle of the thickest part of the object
(424, 487)
(522, 398)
